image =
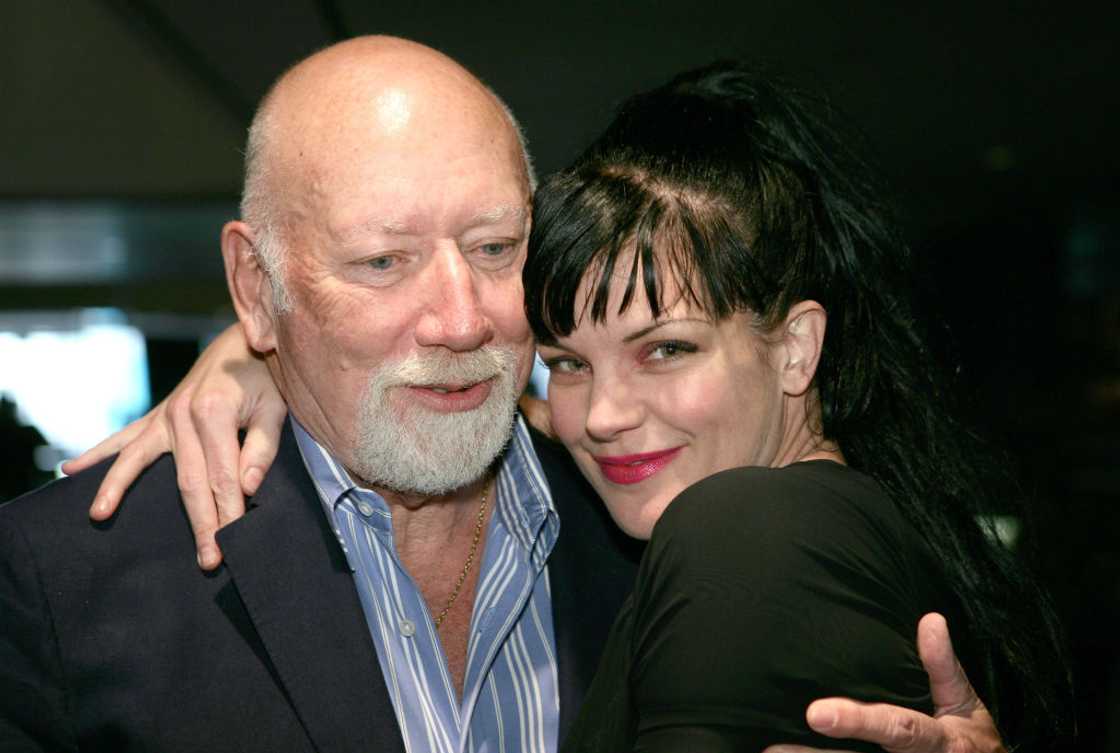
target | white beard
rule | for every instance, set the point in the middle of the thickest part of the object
(409, 448)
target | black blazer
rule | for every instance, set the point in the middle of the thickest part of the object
(111, 638)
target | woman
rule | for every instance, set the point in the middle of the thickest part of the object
(724, 309)
(713, 284)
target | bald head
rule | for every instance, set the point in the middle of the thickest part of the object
(364, 104)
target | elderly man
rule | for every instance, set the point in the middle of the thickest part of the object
(386, 211)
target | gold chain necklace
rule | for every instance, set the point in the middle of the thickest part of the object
(470, 558)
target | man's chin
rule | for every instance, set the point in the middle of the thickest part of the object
(410, 447)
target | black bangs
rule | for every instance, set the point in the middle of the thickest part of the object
(589, 222)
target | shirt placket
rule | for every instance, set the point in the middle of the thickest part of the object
(408, 634)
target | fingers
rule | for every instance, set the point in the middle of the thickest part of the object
(215, 422)
(109, 445)
(537, 413)
(948, 684)
(194, 485)
(961, 717)
(199, 423)
(140, 452)
(894, 728)
(262, 440)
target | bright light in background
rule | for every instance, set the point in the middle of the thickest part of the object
(76, 385)
(538, 380)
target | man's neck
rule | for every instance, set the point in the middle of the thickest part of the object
(426, 525)
(436, 537)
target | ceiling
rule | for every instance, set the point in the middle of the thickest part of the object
(123, 121)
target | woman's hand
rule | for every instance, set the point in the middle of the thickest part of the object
(537, 413)
(960, 722)
(228, 388)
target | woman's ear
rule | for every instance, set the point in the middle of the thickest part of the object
(801, 343)
(249, 287)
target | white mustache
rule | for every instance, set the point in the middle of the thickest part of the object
(445, 367)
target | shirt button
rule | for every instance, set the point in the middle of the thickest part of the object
(365, 508)
(408, 628)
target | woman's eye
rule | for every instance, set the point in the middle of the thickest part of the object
(564, 365)
(671, 349)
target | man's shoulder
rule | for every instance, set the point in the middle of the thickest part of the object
(584, 522)
(54, 519)
(572, 496)
(54, 501)
(554, 459)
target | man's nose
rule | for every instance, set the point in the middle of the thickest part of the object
(613, 409)
(453, 317)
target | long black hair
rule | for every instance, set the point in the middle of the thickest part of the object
(746, 192)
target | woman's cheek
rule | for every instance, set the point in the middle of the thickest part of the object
(567, 413)
(687, 400)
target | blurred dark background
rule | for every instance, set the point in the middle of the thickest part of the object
(995, 125)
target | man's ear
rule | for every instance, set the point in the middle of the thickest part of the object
(249, 286)
(802, 337)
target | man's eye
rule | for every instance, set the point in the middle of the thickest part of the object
(496, 248)
(381, 263)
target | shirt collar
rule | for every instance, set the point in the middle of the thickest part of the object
(331, 478)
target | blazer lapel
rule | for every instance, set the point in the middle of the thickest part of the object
(299, 593)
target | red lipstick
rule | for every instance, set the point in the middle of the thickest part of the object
(630, 469)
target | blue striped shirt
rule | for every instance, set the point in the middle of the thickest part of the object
(510, 699)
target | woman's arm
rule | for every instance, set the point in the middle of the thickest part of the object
(227, 389)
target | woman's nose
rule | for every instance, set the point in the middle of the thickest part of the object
(613, 409)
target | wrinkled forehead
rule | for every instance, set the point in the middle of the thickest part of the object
(415, 185)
